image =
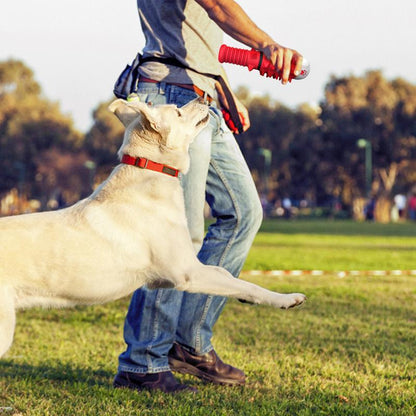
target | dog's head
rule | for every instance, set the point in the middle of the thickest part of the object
(160, 133)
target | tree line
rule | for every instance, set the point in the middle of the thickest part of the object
(317, 155)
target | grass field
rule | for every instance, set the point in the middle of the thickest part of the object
(350, 350)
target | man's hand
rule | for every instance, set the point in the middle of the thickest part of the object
(234, 21)
(284, 59)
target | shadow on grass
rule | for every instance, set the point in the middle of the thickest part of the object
(59, 372)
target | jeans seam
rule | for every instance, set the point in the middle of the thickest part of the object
(237, 211)
(208, 302)
(155, 332)
(225, 252)
(140, 370)
(203, 318)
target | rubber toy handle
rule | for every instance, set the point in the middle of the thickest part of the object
(253, 59)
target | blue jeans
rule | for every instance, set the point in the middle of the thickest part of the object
(218, 174)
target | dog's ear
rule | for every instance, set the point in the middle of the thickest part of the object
(127, 111)
(123, 111)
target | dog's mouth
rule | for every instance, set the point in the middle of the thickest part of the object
(202, 121)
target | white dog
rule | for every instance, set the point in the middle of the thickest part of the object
(130, 232)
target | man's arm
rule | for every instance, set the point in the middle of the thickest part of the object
(234, 21)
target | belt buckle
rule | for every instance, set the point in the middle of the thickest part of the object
(138, 160)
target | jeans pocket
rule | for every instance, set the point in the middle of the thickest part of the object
(181, 96)
(149, 93)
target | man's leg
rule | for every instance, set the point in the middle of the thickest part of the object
(235, 205)
(150, 325)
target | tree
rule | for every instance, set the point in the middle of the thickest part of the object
(381, 111)
(29, 125)
(271, 130)
(286, 134)
(305, 157)
(104, 138)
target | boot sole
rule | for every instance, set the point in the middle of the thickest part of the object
(185, 368)
(122, 383)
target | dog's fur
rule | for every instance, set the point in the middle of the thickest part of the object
(130, 232)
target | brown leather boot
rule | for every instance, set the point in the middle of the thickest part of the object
(208, 367)
(164, 381)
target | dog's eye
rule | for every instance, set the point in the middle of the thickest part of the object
(179, 113)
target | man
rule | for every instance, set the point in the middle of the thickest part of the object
(168, 330)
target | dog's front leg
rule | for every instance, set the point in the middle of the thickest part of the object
(7, 318)
(214, 280)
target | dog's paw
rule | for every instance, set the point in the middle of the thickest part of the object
(293, 299)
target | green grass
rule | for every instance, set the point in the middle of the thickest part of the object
(334, 246)
(348, 351)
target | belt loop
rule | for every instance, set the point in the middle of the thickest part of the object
(162, 88)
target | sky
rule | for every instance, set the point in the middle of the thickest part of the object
(77, 48)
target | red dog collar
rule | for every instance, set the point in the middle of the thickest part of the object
(143, 163)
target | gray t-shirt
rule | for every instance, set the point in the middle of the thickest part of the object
(180, 29)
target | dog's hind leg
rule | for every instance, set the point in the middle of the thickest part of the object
(7, 318)
(214, 280)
